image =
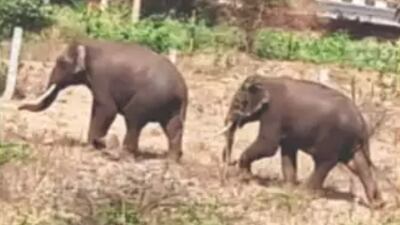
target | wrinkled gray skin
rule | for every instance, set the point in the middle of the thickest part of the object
(123, 78)
(295, 115)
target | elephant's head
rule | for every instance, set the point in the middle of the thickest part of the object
(248, 102)
(69, 69)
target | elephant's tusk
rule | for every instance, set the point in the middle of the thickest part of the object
(222, 131)
(233, 163)
(43, 96)
(225, 129)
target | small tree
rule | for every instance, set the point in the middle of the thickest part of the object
(28, 14)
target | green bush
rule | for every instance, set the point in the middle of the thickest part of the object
(29, 14)
(3, 75)
(118, 213)
(10, 152)
(160, 34)
(334, 48)
(196, 214)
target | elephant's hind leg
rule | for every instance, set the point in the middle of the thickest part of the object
(136, 117)
(360, 166)
(173, 127)
(131, 140)
(321, 171)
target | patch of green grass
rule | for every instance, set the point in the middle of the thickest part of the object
(119, 213)
(286, 202)
(392, 220)
(196, 214)
(3, 75)
(336, 48)
(13, 152)
(161, 33)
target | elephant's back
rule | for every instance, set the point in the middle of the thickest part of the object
(137, 70)
(328, 104)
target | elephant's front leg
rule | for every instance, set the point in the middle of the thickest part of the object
(265, 145)
(289, 164)
(101, 119)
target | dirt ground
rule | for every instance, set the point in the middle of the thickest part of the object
(63, 178)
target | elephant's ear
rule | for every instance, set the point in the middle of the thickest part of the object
(258, 97)
(80, 58)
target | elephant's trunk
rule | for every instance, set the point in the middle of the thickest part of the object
(44, 101)
(229, 133)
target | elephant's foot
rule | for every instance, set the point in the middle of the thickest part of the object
(174, 156)
(113, 142)
(290, 184)
(377, 204)
(245, 175)
(117, 154)
(99, 143)
(375, 201)
(312, 190)
(114, 151)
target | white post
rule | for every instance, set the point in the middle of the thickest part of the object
(103, 4)
(136, 5)
(13, 64)
(173, 55)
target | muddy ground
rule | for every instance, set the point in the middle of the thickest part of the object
(64, 180)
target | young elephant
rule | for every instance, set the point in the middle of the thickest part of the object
(295, 115)
(123, 78)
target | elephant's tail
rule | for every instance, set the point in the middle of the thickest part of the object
(364, 146)
(183, 110)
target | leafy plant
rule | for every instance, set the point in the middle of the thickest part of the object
(10, 152)
(161, 33)
(196, 214)
(335, 48)
(29, 14)
(3, 76)
(118, 213)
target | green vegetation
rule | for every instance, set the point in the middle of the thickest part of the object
(11, 152)
(162, 33)
(335, 48)
(3, 72)
(120, 213)
(159, 33)
(29, 14)
(196, 214)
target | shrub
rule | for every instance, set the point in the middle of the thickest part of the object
(334, 48)
(162, 33)
(159, 33)
(9, 152)
(29, 14)
(118, 213)
(3, 75)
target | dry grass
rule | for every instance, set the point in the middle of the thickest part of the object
(65, 182)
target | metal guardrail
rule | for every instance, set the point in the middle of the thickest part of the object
(378, 13)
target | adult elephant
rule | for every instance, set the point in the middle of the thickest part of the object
(123, 78)
(297, 114)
